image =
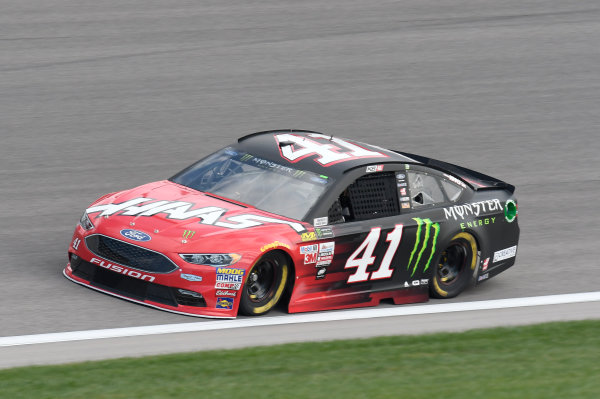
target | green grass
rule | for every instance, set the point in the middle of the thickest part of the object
(556, 360)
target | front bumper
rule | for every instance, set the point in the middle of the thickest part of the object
(172, 291)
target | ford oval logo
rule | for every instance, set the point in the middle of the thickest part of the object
(135, 235)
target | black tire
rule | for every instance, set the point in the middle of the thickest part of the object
(454, 267)
(265, 284)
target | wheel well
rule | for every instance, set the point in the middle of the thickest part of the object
(289, 285)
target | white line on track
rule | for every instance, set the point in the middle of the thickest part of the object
(300, 318)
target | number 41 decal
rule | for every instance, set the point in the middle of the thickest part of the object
(384, 271)
(368, 246)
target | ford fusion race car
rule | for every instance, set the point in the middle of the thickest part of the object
(308, 220)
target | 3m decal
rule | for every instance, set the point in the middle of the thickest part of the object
(179, 210)
(475, 208)
(366, 249)
(506, 253)
(425, 243)
(294, 148)
(310, 258)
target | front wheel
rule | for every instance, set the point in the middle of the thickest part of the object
(265, 284)
(454, 267)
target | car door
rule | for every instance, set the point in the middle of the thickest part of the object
(380, 239)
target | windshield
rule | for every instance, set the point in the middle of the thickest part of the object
(255, 181)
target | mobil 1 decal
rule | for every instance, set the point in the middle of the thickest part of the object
(370, 264)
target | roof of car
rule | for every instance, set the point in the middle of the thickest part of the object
(317, 152)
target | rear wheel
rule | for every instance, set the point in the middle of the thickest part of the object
(455, 267)
(265, 284)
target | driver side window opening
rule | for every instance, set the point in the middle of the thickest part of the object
(369, 197)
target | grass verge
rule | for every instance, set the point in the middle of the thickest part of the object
(555, 360)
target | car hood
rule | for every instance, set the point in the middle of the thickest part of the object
(188, 219)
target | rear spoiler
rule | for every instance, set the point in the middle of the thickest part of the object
(477, 181)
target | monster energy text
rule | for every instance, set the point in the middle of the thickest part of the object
(474, 208)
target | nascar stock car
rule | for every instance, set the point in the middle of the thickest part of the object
(308, 220)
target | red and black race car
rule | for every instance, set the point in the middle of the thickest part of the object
(314, 221)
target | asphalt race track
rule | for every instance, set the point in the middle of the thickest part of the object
(98, 97)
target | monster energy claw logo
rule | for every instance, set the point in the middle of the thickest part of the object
(188, 234)
(419, 252)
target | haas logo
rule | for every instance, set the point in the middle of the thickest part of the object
(294, 148)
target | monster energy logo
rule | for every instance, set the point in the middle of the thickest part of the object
(419, 252)
(246, 157)
(188, 234)
(299, 173)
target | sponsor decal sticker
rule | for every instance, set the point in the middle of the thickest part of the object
(309, 236)
(318, 222)
(478, 223)
(229, 278)
(474, 209)
(455, 180)
(310, 258)
(226, 293)
(224, 303)
(321, 273)
(405, 205)
(324, 232)
(400, 176)
(180, 210)
(228, 286)
(309, 249)
(135, 235)
(190, 277)
(122, 270)
(430, 235)
(327, 248)
(506, 253)
(403, 191)
(485, 265)
(275, 244)
(187, 234)
(483, 277)
(374, 168)
(76, 243)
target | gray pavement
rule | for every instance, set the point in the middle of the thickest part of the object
(101, 96)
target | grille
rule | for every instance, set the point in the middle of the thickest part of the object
(129, 255)
(131, 287)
